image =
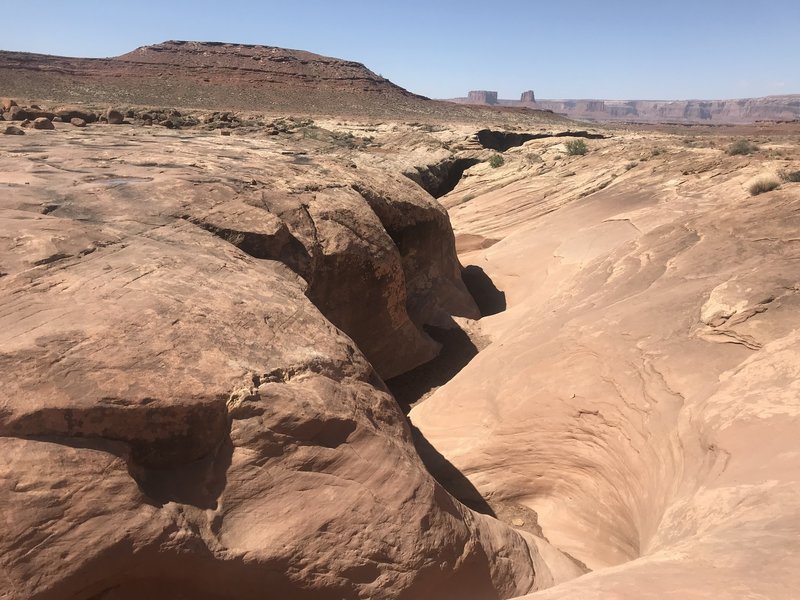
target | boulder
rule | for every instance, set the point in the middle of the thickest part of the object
(38, 113)
(43, 123)
(114, 117)
(12, 130)
(15, 113)
(67, 113)
(78, 122)
(7, 103)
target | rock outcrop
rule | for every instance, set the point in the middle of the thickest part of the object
(187, 410)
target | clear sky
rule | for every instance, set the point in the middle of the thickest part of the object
(613, 49)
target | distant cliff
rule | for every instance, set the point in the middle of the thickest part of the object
(745, 110)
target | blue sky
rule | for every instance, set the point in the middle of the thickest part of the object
(614, 49)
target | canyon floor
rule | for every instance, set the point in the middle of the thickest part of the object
(208, 343)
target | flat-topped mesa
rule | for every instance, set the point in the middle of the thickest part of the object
(206, 75)
(482, 97)
(528, 96)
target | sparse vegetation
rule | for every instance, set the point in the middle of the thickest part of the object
(763, 184)
(576, 147)
(631, 165)
(496, 161)
(743, 146)
(790, 176)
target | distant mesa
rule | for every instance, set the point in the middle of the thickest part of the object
(482, 97)
(490, 97)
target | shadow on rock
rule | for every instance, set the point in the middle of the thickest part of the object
(489, 299)
(199, 483)
(449, 477)
(457, 350)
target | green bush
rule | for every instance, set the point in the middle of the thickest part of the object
(763, 184)
(497, 161)
(742, 147)
(791, 176)
(577, 147)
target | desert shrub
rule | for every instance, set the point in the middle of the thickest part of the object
(630, 165)
(742, 147)
(763, 184)
(791, 176)
(576, 147)
(496, 161)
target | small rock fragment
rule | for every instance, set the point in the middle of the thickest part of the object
(12, 130)
(77, 122)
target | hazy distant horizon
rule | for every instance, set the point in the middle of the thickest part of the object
(617, 49)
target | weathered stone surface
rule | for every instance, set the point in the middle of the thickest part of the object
(178, 419)
(12, 130)
(77, 122)
(7, 103)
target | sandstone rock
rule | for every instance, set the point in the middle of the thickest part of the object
(11, 130)
(77, 122)
(179, 418)
(43, 123)
(38, 113)
(67, 113)
(114, 117)
(7, 103)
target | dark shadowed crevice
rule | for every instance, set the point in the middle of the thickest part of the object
(449, 477)
(505, 140)
(489, 299)
(457, 350)
(441, 178)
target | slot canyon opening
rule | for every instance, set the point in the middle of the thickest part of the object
(441, 178)
(413, 387)
(501, 141)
